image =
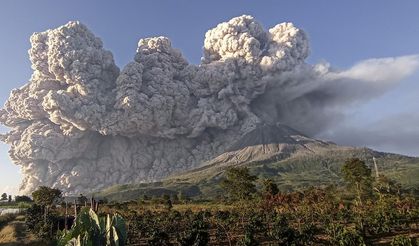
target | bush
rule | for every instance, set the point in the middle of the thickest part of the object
(5, 219)
(401, 240)
(342, 236)
(42, 226)
(197, 234)
(23, 199)
(282, 232)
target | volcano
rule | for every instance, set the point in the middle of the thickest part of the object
(278, 152)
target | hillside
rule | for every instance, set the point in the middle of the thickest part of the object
(293, 160)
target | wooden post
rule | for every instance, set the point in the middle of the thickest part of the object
(75, 209)
(66, 216)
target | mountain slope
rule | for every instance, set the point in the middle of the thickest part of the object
(291, 159)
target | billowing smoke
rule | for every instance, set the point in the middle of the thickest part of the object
(81, 124)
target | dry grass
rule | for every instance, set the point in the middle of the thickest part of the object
(15, 234)
(8, 234)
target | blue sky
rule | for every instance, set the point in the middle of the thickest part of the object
(340, 32)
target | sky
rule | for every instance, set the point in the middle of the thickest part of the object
(340, 32)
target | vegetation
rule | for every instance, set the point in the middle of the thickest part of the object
(45, 196)
(364, 210)
(23, 199)
(239, 183)
(358, 176)
(4, 219)
(90, 229)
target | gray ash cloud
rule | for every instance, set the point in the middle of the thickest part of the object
(82, 124)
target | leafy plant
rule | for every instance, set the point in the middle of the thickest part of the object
(39, 223)
(239, 183)
(197, 234)
(401, 240)
(90, 229)
(342, 236)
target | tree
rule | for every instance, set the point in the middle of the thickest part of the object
(269, 188)
(175, 198)
(45, 196)
(10, 198)
(81, 199)
(22, 199)
(386, 186)
(358, 176)
(3, 196)
(239, 183)
(183, 196)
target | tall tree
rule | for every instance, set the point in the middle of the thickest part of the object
(358, 176)
(269, 188)
(22, 199)
(45, 196)
(239, 183)
(4, 196)
(82, 199)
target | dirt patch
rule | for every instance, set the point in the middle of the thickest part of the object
(15, 234)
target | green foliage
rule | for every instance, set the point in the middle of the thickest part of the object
(386, 187)
(402, 240)
(81, 199)
(314, 216)
(158, 238)
(254, 227)
(281, 231)
(45, 196)
(43, 226)
(381, 221)
(355, 171)
(22, 199)
(239, 183)
(358, 176)
(344, 236)
(196, 234)
(24, 205)
(90, 229)
(269, 188)
(284, 234)
(4, 196)
(6, 218)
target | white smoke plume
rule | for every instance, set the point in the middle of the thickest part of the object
(81, 124)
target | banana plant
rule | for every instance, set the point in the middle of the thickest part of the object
(91, 230)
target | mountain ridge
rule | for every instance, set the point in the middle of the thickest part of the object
(288, 157)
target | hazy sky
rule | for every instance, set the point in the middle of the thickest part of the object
(340, 32)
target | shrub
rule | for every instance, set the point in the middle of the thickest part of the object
(401, 240)
(197, 233)
(90, 229)
(342, 236)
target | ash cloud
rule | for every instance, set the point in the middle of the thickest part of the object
(82, 124)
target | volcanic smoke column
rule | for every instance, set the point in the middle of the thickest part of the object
(81, 124)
